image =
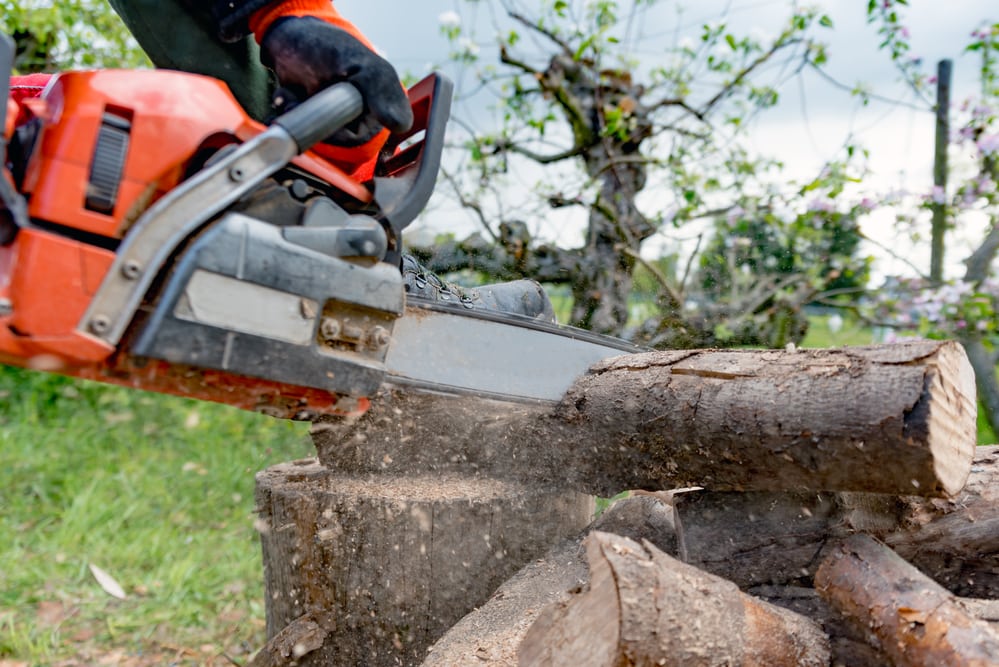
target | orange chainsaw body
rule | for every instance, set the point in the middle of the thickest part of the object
(50, 272)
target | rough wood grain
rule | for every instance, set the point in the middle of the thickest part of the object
(389, 562)
(896, 419)
(643, 607)
(911, 619)
(779, 539)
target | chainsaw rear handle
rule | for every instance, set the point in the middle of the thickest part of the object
(322, 114)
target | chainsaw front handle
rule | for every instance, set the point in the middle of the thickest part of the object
(321, 115)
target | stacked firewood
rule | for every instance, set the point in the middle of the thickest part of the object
(795, 577)
(831, 507)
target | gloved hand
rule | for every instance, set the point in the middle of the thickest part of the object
(309, 47)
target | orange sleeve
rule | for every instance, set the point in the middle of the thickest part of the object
(262, 19)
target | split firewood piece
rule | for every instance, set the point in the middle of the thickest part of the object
(490, 635)
(643, 607)
(910, 618)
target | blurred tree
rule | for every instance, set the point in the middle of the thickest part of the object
(966, 307)
(641, 132)
(63, 34)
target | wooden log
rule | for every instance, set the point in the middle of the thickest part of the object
(911, 619)
(490, 635)
(643, 607)
(384, 565)
(778, 539)
(956, 540)
(896, 419)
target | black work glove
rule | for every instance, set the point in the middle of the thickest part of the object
(309, 54)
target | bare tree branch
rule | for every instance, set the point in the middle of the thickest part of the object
(893, 254)
(746, 71)
(473, 206)
(979, 262)
(512, 147)
(561, 43)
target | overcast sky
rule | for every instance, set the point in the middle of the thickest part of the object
(814, 117)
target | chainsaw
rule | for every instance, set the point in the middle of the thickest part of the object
(153, 235)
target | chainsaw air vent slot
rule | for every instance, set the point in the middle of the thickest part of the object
(108, 163)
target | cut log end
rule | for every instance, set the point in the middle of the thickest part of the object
(951, 418)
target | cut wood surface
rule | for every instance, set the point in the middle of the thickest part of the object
(911, 619)
(642, 607)
(896, 419)
(779, 539)
(384, 565)
(490, 635)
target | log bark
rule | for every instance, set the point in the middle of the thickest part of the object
(643, 607)
(383, 565)
(911, 619)
(896, 419)
(778, 539)
(490, 635)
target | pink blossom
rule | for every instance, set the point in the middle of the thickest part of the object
(819, 204)
(938, 195)
(989, 144)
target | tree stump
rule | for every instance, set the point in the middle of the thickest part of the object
(385, 564)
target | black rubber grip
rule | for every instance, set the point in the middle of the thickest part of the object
(322, 114)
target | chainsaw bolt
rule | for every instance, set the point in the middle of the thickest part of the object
(6, 307)
(236, 174)
(379, 338)
(329, 329)
(131, 270)
(300, 189)
(100, 324)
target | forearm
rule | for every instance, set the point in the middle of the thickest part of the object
(236, 19)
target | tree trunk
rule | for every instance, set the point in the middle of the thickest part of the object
(375, 568)
(911, 619)
(896, 419)
(642, 607)
(490, 635)
(983, 361)
(603, 281)
(778, 539)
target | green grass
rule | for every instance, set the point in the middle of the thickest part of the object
(851, 333)
(155, 490)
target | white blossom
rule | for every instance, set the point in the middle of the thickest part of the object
(449, 19)
(469, 46)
